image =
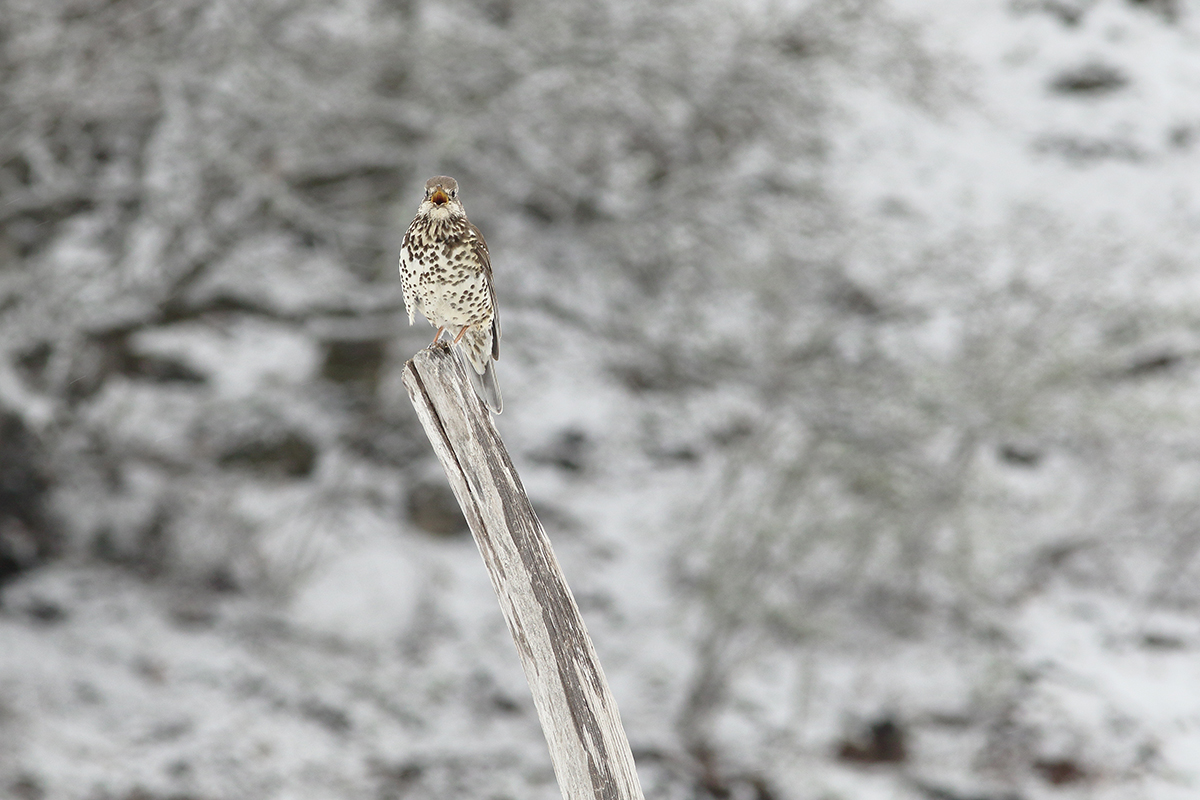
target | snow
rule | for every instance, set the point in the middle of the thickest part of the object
(912, 442)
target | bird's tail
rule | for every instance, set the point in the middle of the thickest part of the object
(475, 350)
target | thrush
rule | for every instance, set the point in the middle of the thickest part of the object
(446, 274)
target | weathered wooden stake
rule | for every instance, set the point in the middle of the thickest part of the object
(579, 716)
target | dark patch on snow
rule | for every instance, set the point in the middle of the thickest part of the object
(27, 787)
(153, 671)
(384, 440)
(1068, 12)
(569, 451)
(678, 455)
(734, 432)
(1082, 149)
(222, 581)
(162, 370)
(499, 12)
(392, 80)
(1154, 364)
(713, 781)
(289, 455)
(855, 300)
(32, 362)
(332, 719)
(111, 353)
(1182, 137)
(798, 44)
(1020, 455)
(29, 227)
(193, 616)
(27, 535)
(433, 508)
(45, 612)
(490, 700)
(883, 742)
(16, 172)
(176, 310)
(1162, 641)
(1089, 80)
(1167, 9)
(505, 704)
(397, 782)
(355, 363)
(669, 374)
(146, 550)
(540, 210)
(1060, 771)
(171, 731)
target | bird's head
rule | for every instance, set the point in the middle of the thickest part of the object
(441, 199)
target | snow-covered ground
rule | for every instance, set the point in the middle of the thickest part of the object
(849, 359)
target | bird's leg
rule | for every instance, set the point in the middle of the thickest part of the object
(460, 333)
(438, 335)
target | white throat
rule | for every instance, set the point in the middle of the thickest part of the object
(440, 213)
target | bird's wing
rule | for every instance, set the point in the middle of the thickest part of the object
(410, 295)
(481, 252)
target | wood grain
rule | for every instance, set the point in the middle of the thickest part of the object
(579, 716)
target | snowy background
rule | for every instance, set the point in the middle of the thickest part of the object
(851, 360)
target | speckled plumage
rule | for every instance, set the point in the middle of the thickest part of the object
(446, 274)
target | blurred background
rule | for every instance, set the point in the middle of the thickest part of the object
(850, 360)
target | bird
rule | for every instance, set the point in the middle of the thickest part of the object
(446, 274)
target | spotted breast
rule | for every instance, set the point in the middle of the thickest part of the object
(446, 274)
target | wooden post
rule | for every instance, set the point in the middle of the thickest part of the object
(579, 717)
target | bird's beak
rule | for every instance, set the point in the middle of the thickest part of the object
(440, 197)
